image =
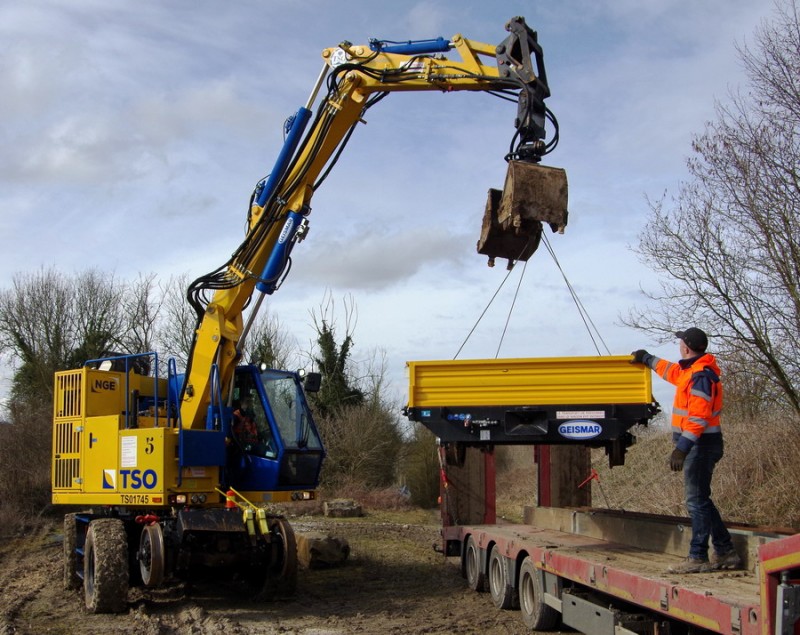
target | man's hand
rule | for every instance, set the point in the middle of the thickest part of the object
(638, 356)
(676, 460)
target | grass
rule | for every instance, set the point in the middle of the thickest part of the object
(754, 483)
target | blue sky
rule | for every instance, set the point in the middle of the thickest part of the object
(134, 132)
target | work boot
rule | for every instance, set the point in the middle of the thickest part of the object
(690, 565)
(729, 560)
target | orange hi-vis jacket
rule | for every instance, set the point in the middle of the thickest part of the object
(698, 397)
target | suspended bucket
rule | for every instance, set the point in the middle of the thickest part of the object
(512, 222)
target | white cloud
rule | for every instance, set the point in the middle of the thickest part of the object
(133, 134)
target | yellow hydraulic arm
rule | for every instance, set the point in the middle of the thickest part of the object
(356, 77)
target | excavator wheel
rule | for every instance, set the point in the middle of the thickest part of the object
(151, 555)
(281, 576)
(71, 578)
(105, 566)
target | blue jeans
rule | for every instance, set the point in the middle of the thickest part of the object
(706, 521)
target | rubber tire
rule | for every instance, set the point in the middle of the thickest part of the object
(473, 572)
(105, 566)
(151, 555)
(72, 580)
(503, 594)
(537, 615)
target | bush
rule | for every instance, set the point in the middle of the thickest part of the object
(25, 455)
(420, 470)
(363, 445)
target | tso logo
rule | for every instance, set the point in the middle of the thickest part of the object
(578, 429)
(136, 479)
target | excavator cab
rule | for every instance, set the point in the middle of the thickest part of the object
(275, 444)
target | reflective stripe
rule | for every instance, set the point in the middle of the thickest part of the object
(699, 393)
(666, 370)
(699, 421)
(680, 412)
(689, 435)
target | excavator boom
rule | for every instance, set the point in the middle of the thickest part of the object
(357, 77)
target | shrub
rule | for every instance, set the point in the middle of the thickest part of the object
(363, 444)
(25, 443)
(420, 468)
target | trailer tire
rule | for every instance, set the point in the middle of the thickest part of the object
(105, 566)
(473, 571)
(537, 615)
(72, 580)
(503, 594)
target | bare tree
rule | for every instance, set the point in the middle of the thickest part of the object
(95, 310)
(178, 321)
(35, 329)
(142, 308)
(49, 322)
(269, 342)
(728, 245)
(359, 425)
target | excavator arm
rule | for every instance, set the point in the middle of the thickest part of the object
(355, 78)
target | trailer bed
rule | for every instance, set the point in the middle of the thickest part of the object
(720, 601)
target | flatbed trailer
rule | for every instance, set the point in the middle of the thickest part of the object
(609, 587)
(598, 571)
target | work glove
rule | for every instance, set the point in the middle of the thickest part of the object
(638, 356)
(676, 460)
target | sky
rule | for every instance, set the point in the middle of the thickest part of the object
(133, 133)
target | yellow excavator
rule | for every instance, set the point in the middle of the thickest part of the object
(176, 471)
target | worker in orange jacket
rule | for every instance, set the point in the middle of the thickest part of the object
(697, 436)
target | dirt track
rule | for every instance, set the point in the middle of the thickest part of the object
(393, 583)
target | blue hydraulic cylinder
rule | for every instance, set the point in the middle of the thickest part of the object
(296, 130)
(411, 47)
(280, 254)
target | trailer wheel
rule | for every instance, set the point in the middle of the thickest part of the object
(503, 594)
(151, 555)
(537, 615)
(473, 571)
(71, 578)
(105, 567)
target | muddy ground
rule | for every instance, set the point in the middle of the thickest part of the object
(394, 582)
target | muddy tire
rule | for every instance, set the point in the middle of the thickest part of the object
(473, 571)
(105, 567)
(72, 580)
(537, 615)
(504, 596)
